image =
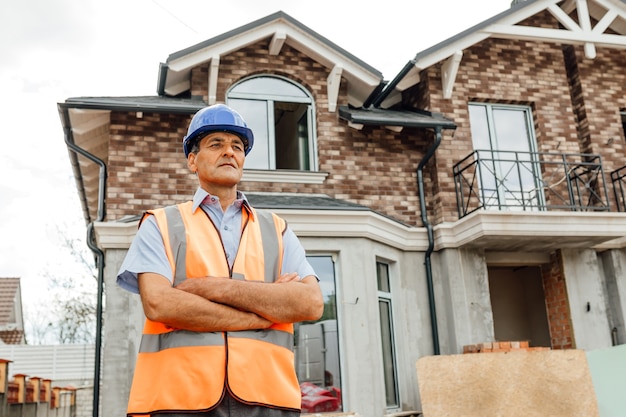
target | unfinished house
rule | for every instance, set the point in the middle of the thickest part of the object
(477, 196)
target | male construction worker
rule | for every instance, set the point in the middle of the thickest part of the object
(221, 285)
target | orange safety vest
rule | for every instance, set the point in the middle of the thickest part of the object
(181, 370)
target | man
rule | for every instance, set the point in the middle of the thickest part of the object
(221, 285)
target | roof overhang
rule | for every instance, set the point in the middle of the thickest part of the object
(394, 119)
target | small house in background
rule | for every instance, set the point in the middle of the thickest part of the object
(11, 317)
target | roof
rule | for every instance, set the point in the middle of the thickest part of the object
(362, 79)
(402, 118)
(137, 103)
(300, 201)
(281, 201)
(596, 23)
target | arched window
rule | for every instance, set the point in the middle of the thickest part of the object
(281, 114)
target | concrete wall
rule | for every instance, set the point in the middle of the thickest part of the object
(464, 311)
(614, 266)
(123, 320)
(588, 305)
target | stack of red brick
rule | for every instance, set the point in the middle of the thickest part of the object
(508, 346)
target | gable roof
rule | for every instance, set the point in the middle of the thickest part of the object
(574, 18)
(175, 73)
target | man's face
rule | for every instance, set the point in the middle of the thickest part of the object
(219, 160)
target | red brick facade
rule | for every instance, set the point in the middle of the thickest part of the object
(374, 167)
(557, 304)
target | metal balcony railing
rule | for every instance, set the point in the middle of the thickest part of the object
(529, 181)
(618, 178)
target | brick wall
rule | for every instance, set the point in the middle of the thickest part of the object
(373, 167)
(376, 167)
(584, 118)
(557, 304)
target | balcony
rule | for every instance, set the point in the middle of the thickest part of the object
(530, 181)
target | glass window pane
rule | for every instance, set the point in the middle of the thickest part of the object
(288, 119)
(383, 276)
(317, 348)
(479, 127)
(280, 113)
(255, 114)
(511, 130)
(389, 365)
(269, 87)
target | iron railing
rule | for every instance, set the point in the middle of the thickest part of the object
(618, 178)
(529, 181)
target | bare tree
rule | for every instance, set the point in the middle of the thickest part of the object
(70, 315)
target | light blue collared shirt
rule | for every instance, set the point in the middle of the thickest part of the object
(147, 251)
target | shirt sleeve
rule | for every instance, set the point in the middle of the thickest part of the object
(146, 254)
(294, 256)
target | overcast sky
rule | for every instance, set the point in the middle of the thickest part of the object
(51, 50)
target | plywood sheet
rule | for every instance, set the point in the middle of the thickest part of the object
(554, 383)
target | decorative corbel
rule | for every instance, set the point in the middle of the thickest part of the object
(449, 70)
(277, 42)
(214, 67)
(332, 84)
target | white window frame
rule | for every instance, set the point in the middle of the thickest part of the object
(386, 298)
(494, 148)
(312, 131)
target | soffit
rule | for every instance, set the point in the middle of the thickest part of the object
(362, 79)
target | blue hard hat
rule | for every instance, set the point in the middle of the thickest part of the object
(217, 118)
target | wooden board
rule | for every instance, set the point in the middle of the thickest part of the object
(554, 383)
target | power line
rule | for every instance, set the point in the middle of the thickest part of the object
(175, 17)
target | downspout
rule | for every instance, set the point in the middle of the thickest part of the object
(99, 254)
(431, 240)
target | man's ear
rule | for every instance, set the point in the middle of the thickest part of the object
(191, 163)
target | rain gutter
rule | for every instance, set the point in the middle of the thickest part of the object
(99, 254)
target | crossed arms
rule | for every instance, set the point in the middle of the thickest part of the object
(222, 304)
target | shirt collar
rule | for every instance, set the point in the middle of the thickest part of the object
(201, 195)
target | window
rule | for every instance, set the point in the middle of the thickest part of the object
(317, 348)
(624, 121)
(504, 141)
(281, 115)
(386, 335)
